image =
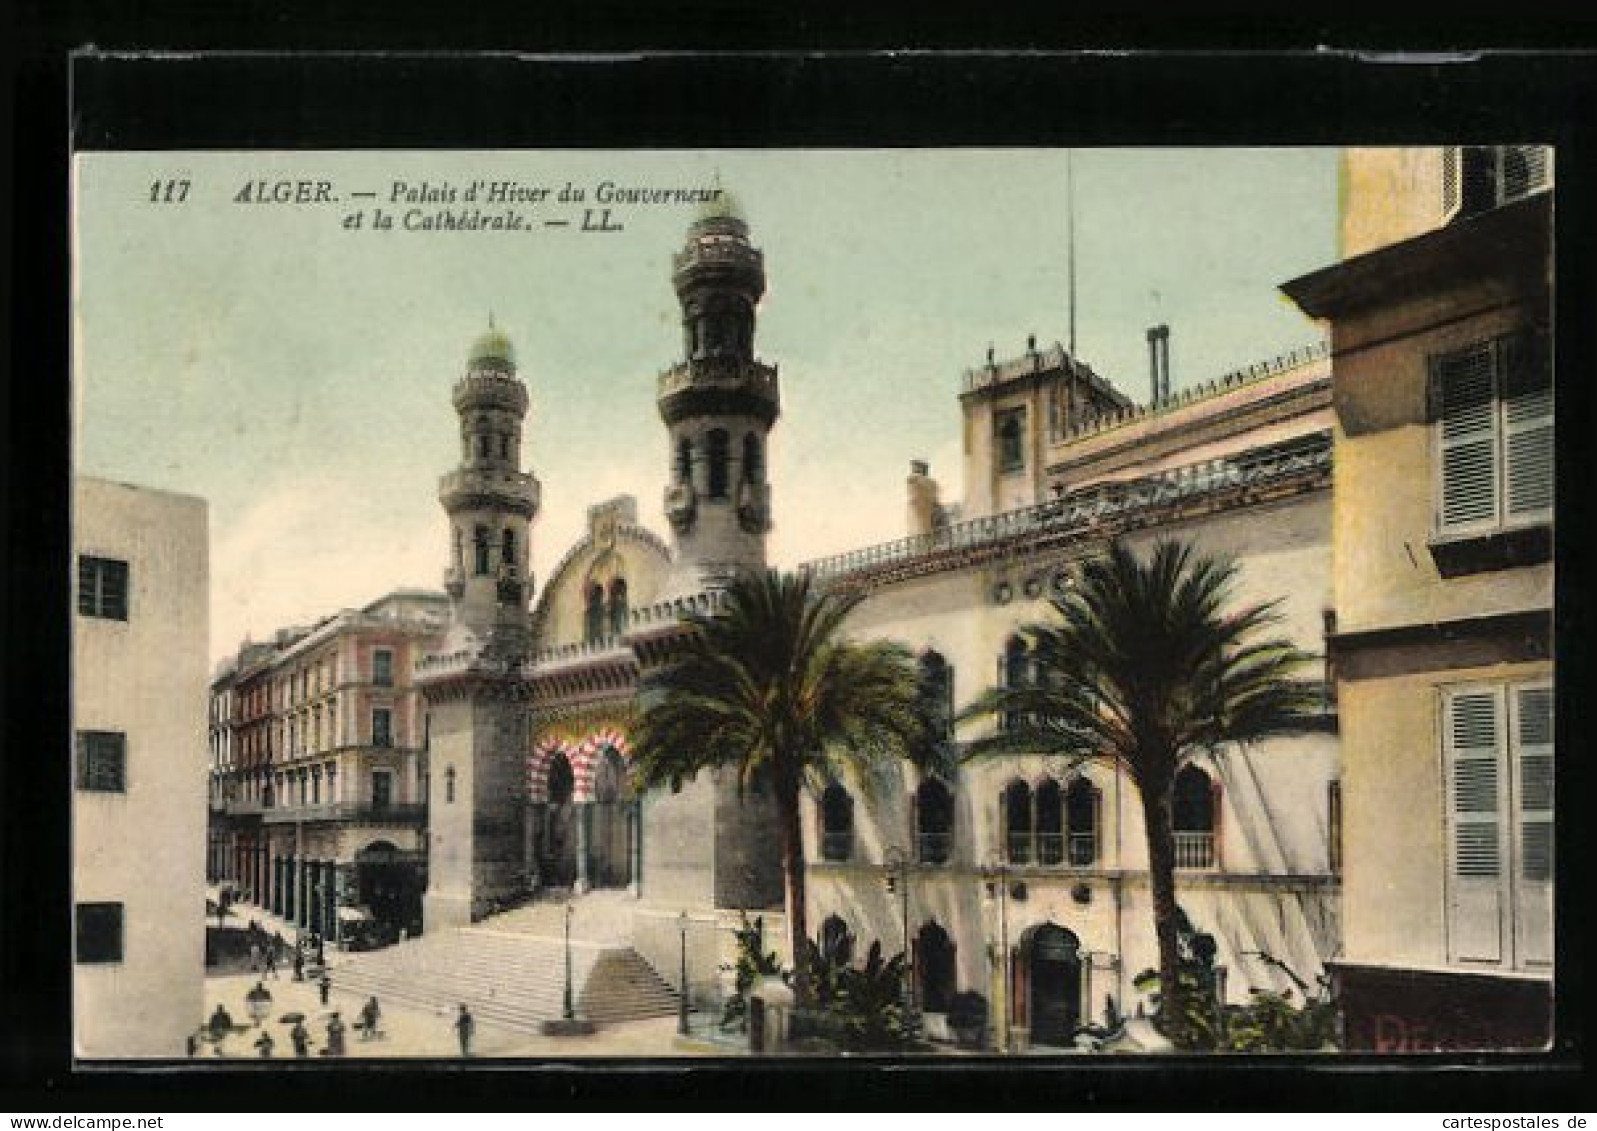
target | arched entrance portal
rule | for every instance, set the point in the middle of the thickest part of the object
(1052, 957)
(389, 883)
(557, 851)
(614, 822)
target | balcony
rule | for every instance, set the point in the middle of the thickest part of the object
(361, 814)
(934, 848)
(1194, 850)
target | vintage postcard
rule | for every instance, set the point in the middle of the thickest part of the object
(1051, 602)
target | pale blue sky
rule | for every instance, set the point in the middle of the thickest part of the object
(297, 375)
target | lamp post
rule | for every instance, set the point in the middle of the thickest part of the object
(568, 1012)
(898, 880)
(682, 982)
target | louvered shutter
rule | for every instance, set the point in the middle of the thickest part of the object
(1452, 174)
(1527, 434)
(1467, 491)
(1533, 787)
(1473, 738)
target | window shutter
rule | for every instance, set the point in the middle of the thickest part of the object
(1468, 466)
(1533, 757)
(1452, 160)
(1524, 170)
(1527, 434)
(1473, 738)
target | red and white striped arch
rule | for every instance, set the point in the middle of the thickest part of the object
(582, 753)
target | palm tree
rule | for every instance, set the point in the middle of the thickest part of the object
(768, 686)
(1146, 666)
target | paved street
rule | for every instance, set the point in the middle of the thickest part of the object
(409, 1031)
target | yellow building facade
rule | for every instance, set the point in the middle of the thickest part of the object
(1440, 322)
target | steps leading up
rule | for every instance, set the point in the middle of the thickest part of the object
(510, 970)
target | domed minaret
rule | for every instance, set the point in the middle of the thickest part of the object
(718, 405)
(474, 686)
(491, 503)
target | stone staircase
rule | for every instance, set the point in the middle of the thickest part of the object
(510, 970)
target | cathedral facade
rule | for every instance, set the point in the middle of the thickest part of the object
(1020, 879)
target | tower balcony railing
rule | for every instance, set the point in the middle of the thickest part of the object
(519, 486)
(718, 251)
(750, 374)
(1095, 508)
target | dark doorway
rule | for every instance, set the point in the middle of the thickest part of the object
(613, 819)
(1055, 977)
(389, 883)
(557, 854)
(935, 974)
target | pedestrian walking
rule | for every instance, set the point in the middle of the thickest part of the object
(324, 985)
(335, 1037)
(270, 961)
(265, 1043)
(221, 1023)
(463, 1027)
(321, 957)
(301, 1037)
(299, 965)
(255, 956)
(369, 1015)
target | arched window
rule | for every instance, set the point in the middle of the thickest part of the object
(1192, 817)
(1016, 805)
(1014, 670)
(836, 941)
(935, 971)
(684, 460)
(482, 445)
(1081, 817)
(751, 457)
(618, 606)
(479, 543)
(837, 823)
(937, 696)
(507, 548)
(717, 443)
(1011, 440)
(1050, 823)
(934, 822)
(593, 620)
(449, 785)
(504, 445)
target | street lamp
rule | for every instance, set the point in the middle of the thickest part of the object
(898, 880)
(682, 982)
(569, 1012)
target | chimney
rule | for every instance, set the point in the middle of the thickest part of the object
(1159, 363)
(923, 505)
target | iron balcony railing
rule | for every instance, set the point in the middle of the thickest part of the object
(837, 846)
(1083, 849)
(934, 848)
(377, 814)
(1194, 850)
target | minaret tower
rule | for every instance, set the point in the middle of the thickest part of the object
(718, 405)
(491, 503)
(474, 686)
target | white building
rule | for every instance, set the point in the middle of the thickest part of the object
(140, 560)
